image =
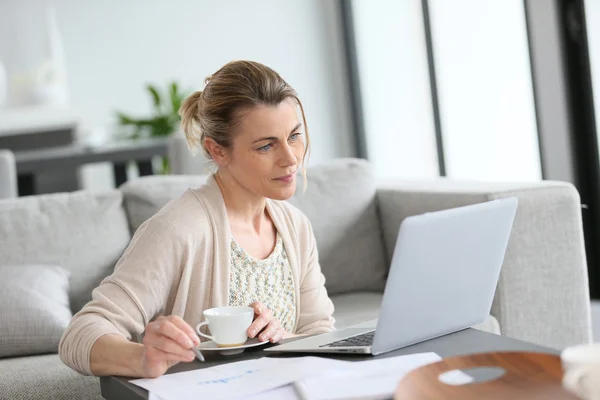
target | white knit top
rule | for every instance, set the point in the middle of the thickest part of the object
(269, 281)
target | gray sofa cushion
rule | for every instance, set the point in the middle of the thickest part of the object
(84, 233)
(34, 309)
(145, 196)
(340, 202)
(354, 308)
(44, 377)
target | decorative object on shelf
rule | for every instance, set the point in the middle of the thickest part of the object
(164, 120)
(50, 79)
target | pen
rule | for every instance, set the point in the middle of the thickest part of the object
(300, 391)
(199, 355)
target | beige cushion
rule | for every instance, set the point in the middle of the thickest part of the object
(84, 233)
(34, 309)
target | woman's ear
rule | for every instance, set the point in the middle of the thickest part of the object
(219, 154)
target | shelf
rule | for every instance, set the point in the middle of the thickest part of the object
(32, 119)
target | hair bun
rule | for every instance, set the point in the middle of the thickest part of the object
(190, 120)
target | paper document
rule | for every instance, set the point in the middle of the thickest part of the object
(236, 380)
(302, 378)
(288, 392)
(373, 379)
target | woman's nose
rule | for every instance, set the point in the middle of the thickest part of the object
(288, 157)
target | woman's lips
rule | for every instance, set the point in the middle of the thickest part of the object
(287, 178)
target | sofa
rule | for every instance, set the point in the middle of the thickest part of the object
(542, 295)
(8, 174)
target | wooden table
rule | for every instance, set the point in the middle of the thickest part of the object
(524, 376)
(464, 342)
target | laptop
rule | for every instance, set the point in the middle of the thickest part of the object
(442, 279)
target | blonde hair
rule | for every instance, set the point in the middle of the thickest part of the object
(238, 85)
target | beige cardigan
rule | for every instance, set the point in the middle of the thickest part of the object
(178, 264)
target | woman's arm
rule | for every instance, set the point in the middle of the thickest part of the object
(316, 313)
(125, 302)
(113, 354)
(167, 341)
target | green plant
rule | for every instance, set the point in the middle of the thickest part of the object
(164, 119)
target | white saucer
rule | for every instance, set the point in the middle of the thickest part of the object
(212, 346)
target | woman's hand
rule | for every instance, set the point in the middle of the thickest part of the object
(167, 341)
(265, 325)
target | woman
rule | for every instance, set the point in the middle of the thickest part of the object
(230, 242)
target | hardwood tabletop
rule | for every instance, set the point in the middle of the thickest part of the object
(527, 375)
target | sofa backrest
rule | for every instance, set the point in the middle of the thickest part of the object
(82, 232)
(339, 202)
(143, 197)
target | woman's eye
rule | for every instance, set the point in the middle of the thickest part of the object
(295, 136)
(266, 147)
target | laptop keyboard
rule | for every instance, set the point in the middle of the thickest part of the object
(366, 339)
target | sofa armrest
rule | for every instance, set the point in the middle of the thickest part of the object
(8, 175)
(543, 294)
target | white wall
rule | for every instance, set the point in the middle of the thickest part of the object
(114, 47)
(485, 90)
(394, 79)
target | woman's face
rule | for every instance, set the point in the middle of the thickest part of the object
(267, 150)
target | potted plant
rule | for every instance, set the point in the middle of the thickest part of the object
(164, 120)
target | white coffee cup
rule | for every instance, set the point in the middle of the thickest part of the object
(581, 370)
(228, 325)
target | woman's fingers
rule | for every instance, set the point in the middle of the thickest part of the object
(258, 307)
(173, 329)
(154, 354)
(258, 325)
(270, 330)
(278, 335)
(186, 328)
(166, 345)
(262, 319)
(168, 338)
(265, 325)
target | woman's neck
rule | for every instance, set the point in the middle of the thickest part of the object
(243, 207)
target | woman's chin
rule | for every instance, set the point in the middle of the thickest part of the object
(282, 193)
